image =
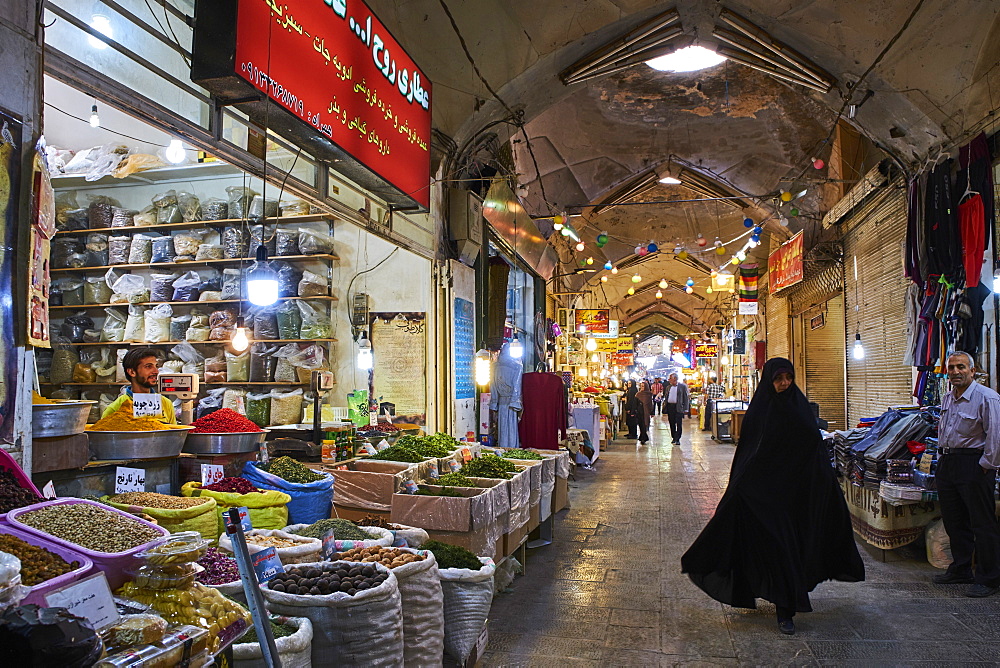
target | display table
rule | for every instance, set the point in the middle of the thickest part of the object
(882, 524)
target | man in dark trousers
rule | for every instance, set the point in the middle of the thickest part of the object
(676, 402)
(657, 389)
(969, 449)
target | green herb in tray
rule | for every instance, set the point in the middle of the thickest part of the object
(400, 452)
(291, 470)
(444, 491)
(454, 480)
(489, 466)
(518, 453)
(342, 530)
(452, 556)
(277, 630)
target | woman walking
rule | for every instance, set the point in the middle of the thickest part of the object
(782, 526)
(645, 399)
(631, 410)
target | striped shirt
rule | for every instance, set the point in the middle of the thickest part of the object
(715, 391)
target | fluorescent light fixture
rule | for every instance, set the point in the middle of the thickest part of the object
(262, 281)
(365, 359)
(482, 366)
(95, 120)
(689, 59)
(859, 350)
(670, 181)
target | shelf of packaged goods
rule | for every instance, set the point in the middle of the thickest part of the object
(169, 265)
(81, 307)
(235, 382)
(226, 222)
(176, 343)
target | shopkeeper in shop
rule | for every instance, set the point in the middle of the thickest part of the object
(141, 367)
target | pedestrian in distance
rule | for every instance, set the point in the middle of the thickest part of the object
(657, 389)
(645, 400)
(969, 455)
(782, 526)
(677, 403)
(631, 411)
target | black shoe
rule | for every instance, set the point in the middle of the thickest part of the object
(952, 579)
(981, 591)
(786, 626)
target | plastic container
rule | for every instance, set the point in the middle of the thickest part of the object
(181, 548)
(112, 563)
(38, 591)
(179, 576)
(7, 462)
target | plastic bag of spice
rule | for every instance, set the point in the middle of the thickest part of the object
(289, 321)
(167, 210)
(122, 217)
(97, 249)
(315, 243)
(73, 327)
(215, 209)
(231, 284)
(210, 403)
(96, 290)
(316, 323)
(140, 251)
(146, 217)
(288, 279)
(161, 287)
(114, 326)
(187, 288)
(222, 322)
(186, 243)
(92, 336)
(286, 242)
(235, 243)
(99, 211)
(163, 249)
(190, 206)
(72, 292)
(265, 324)
(118, 249)
(313, 285)
(237, 367)
(83, 373)
(262, 363)
(135, 325)
(179, 325)
(127, 286)
(259, 408)
(61, 251)
(235, 400)
(209, 252)
(295, 207)
(261, 208)
(239, 201)
(199, 329)
(286, 407)
(158, 323)
(262, 235)
(64, 358)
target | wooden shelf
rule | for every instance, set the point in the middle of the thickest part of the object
(226, 383)
(81, 307)
(167, 265)
(226, 222)
(175, 343)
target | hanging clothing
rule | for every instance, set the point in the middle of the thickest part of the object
(972, 335)
(971, 217)
(546, 414)
(505, 397)
(941, 229)
(977, 159)
(913, 295)
(782, 526)
(914, 231)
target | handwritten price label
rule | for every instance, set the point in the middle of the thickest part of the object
(147, 405)
(89, 598)
(129, 480)
(211, 474)
(49, 491)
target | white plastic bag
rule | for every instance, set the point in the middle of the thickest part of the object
(423, 610)
(365, 629)
(307, 550)
(468, 596)
(135, 329)
(158, 323)
(380, 538)
(938, 545)
(295, 651)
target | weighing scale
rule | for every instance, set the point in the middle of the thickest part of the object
(183, 386)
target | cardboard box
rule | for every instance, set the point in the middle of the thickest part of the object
(513, 539)
(348, 513)
(534, 517)
(369, 484)
(560, 496)
(477, 542)
(477, 508)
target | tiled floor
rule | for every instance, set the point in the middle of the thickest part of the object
(609, 592)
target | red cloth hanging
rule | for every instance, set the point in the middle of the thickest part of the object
(545, 413)
(971, 218)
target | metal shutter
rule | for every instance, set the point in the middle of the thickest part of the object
(776, 340)
(875, 233)
(825, 358)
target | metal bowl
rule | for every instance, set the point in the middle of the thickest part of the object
(65, 418)
(224, 443)
(157, 444)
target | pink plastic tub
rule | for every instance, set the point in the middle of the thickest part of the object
(7, 462)
(112, 563)
(38, 591)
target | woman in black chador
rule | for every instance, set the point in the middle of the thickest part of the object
(782, 526)
(631, 411)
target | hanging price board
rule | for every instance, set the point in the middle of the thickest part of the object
(147, 405)
(211, 474)
(245, 522)
(129, 480)
(266, 564)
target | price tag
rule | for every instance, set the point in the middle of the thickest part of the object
(264, 456)
(466, 455)
(432, 470)
(147, 405)
(266, 564)
(244, 518)
(89, 598)
(410, 486)
(211, 474)
(454, 466)
(49, 491)
(129, 480)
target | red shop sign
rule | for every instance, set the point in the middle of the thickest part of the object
(333, 65)
(784, 266)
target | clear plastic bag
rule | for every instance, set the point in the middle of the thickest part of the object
(212, 280)
(140, 250)
(222, 324)
(146, 217)
(190, 206)
(235, 400)
(209, 252)
(158, 323)
(288, 279)
(261, 235)
(179, 325)
(83, 373)
(236, 243)
(210, 403)
(286, 407)
(215, 368)
(210, 296)
(119, 370)
(91, 336)
(187, 288)
(262, 363)
(167, 210)
(314, 243)
(262, 208)
(215, 209)
(295, 207)
(74, 326)
(97, 249)
(72, 292)
(284, 371)
(194, 361)
(259, 409)
(289, 321)
(239, 201)
(286, 242)
(238, 367)
(96, 290)
(186, 243)
(114, 326)
(64, 358)
(265, 324)
(172, 366)
(99, 211)
(61, 250)
(75, 219)
(161, 287)
(122, 217)
(128, 286)
(163, 249)
(231, 284)
(316, 322)
(135, 325)
(118, 249)
(313, 285)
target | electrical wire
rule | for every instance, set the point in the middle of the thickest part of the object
(102, 127)
(360, 273)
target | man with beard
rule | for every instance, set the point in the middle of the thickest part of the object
(141, 367)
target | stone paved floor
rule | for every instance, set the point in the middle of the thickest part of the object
(609, 592)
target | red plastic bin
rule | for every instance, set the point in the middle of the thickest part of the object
(7, 462)
(38, 591)
(112, 563)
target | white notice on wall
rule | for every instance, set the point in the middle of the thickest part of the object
(129, 480)
(89, 598)
(211, 474)
(147, 405)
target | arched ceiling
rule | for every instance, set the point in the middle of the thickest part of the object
(931, 67)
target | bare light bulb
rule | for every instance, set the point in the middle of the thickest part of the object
(95, 120)
(604, 279)
(482, 366)
(240, 340)
(175, 152)
(580, 246)
(659, 295)
(614, 270)
(859, 350)
(516, 348)
(631, 291)
(663, 284)
(636, 278)
(591, 344)
(365, 359)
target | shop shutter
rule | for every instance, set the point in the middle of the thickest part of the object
(825, 358)
(875, 234)
(777, 327)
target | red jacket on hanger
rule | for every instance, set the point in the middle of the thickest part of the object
(545, 412)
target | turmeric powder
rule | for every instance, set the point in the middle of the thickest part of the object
(123, 421)
(36, 398)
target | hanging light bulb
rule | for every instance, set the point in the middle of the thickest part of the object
(595, 358)
(748, 222)
(240, 340)
(516, 348)
(817, 163)
(365, 360)
(175, 152)
(659, 295)
(663, 284)
(709, 290)
(732, 291)
(720, 250)
(859, 350)
(636, 278)
(721, 280)
(604, 279)
(652, 247)
(262, 281)
(614, 270)
(607, 265)
(690, 282)
(741, 255)
(735, 260)
(683, 255)
(482, 365)
(590, 260)
(564, 231)
(783, 221)
(580, 246)
(786, 196)
(591, 344)
(558, 222)
(95, 120)
(725, 360)
(631, 291)
(689, 290)
(701, 241)
(583, 372)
